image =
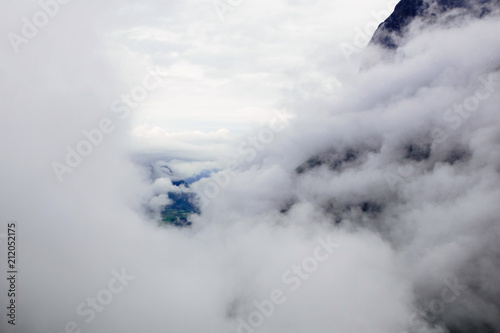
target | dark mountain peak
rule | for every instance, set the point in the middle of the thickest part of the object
(391, 31)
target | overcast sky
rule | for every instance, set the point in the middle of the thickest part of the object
(224, 68)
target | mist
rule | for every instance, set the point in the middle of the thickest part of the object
(342, 197)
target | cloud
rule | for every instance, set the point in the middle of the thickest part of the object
(411, 212)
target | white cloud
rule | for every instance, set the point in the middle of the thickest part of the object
(437, 221)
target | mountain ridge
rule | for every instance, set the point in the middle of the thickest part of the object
(393, 30)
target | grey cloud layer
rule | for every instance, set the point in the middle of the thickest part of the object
(436, 225)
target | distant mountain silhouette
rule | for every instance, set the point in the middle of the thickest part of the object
(393, 29)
